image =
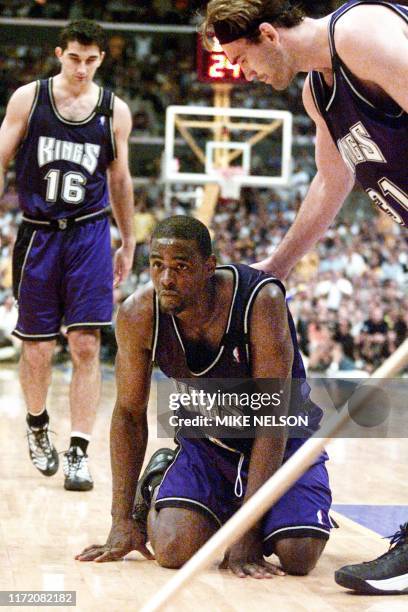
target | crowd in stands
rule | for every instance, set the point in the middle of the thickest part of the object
(158, 11)
(177, 12)
(349, 297)
(165, 65)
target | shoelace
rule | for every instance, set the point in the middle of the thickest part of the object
(75, 462)
(41, 438)
(399, 538)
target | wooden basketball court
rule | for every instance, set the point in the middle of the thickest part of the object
(42, 526)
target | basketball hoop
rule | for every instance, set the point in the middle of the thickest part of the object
(229, 181)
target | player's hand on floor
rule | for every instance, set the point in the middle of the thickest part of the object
(122, 264)
(245, 558)
(123, 538)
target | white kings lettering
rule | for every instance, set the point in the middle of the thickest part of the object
(357, 147)
(50, 150)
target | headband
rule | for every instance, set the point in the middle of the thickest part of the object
(227, 32)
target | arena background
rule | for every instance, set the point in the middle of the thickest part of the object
(349, 299)
(348, 296)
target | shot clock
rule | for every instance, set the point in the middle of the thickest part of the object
(214, 66)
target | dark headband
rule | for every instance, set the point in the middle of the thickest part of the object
(226, 32)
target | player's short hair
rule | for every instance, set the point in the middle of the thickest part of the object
(230, 20)
(185, 228)
(84, 31)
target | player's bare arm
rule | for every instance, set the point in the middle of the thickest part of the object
(327, 192)
(14, 126)
(128, 437)
(381, 55)
(271, 357)
(121, 190)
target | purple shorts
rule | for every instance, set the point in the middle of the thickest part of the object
(207, 478)
(62, 277)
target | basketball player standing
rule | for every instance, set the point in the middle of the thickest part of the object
(357, 94)
(69, 137)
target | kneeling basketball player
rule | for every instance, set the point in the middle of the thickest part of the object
(203, 321)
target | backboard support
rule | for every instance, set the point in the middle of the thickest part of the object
(223, 138)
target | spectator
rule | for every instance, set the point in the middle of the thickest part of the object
(343, 337)
(373, 338)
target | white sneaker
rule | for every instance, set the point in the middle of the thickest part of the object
(76, 470)
(42, 452)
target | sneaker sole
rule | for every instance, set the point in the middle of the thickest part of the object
(362, 586)
(75, 486)
(140, 508)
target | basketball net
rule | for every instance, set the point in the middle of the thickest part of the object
(228, 180)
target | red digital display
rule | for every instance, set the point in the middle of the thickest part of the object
(214, 66)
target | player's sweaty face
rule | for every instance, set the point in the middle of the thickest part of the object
(80, 62)
(178, 272)
(260, 62)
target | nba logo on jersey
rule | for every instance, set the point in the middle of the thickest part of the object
(102, 120)
(235, 354)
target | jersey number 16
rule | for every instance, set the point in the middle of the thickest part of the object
(71, 186)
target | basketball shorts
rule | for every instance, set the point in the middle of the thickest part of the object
(62, 277)
(211, 480)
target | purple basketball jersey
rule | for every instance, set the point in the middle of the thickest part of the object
(209, 475)
(61, 164)
(371, 140)
(232, 358)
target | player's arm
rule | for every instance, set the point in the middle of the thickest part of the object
(271, 358)
(381, 55)
(14, 126)
(326, 194)
(121, 190)
(128, 436)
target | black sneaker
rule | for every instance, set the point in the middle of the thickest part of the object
(153, 475)
(76, 470)
(42, 452)
(387, 575)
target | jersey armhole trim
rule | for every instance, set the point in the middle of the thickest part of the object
(313, 92)
(333, 92)
(155, 325)
(112, 134)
